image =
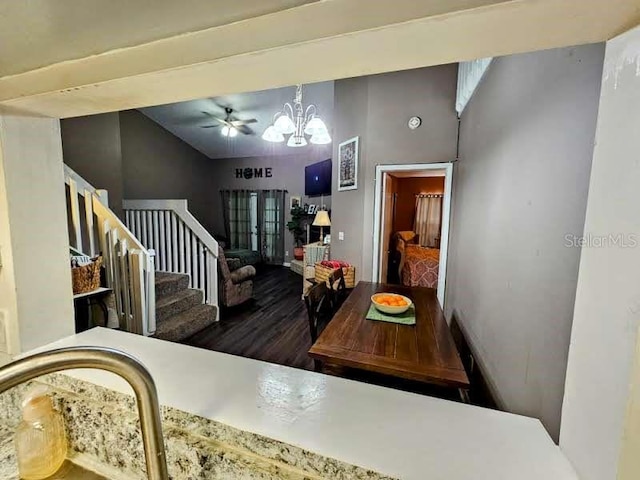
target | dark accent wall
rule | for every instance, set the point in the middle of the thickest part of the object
(287, 174)
(519, 188)
(377, 108)
(91, 147)
(158, 165)
(406, 190)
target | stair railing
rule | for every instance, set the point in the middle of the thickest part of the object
(130, 271)
(181, 243)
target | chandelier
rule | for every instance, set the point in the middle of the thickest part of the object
(297, 122)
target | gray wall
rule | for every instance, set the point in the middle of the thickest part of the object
(91, 147)
(377, 108)
(519, 188)
(288, 174)
(158, 165)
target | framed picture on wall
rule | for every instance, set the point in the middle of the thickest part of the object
(348, 164)
(294, 202)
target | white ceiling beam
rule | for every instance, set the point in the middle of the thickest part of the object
(315, 42)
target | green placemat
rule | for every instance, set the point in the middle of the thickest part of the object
(406, 318)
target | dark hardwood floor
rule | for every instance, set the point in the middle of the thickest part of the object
(273, 327)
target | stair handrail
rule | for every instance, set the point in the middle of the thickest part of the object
(180, 208)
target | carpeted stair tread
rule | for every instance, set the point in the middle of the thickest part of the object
(185, 324)
(170, 305)
(169, 283)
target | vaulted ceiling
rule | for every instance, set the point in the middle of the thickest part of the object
(185, 119)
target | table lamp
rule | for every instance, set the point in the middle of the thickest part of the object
(322, 220)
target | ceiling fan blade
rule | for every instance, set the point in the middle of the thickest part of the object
(245, 130)
(209, 126)
(239, 123)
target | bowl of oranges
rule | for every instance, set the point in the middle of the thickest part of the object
(391, 303)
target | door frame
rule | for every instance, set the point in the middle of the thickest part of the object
(378, 225)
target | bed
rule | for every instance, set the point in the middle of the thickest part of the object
(418, 265)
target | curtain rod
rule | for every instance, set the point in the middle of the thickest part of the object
(429, 195)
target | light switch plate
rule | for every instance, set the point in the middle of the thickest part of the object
(340, 235)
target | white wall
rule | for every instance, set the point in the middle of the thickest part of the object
(35, 282)
(521, 184)
(607, 308)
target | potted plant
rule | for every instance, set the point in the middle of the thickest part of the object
(295, 227)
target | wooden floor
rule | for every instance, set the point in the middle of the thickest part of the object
(273, 327)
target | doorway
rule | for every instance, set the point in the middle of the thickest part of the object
(411, 228)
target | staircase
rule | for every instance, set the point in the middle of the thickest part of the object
(172, 303)
(180, 312)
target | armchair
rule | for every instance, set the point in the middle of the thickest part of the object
(234, 287)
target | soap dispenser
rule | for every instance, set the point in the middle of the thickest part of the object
(41, 444)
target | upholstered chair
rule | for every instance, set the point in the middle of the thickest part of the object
(235, 287)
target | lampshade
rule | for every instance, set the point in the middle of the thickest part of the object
(315, 125)
(284, 125)
(320, 138)
(272, 135)
(322, 219)
(295, 141)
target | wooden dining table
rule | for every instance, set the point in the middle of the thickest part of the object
(424, 352)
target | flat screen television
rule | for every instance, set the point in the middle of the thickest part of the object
(317, 179)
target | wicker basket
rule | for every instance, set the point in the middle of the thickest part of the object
(87, 278)
(322, 274)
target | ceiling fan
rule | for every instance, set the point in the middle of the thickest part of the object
(230, 125)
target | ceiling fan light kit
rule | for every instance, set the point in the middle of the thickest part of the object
(297, 121)
(228, 131)
(230, 126)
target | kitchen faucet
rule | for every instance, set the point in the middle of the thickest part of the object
(113, 361)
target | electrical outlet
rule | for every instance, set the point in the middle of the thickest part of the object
(286, 253)
(340, 235)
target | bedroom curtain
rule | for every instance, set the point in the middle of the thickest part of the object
(271, 211)
(237, 218)
(428, 220)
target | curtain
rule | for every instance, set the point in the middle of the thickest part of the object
(237, 217)
(428, 219)
(271, 212)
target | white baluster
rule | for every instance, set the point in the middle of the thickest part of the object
(167, 229)
(156, 240)
(181, 246)
(124, 284)
(136, 282)
(174, 242)
(75, 215)
(163, 244)
(135, 217)
(150, 291)
(144, 238)
(152, 237)
(201, 266)
(88, 217)
(194, 261)
(187, 243)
